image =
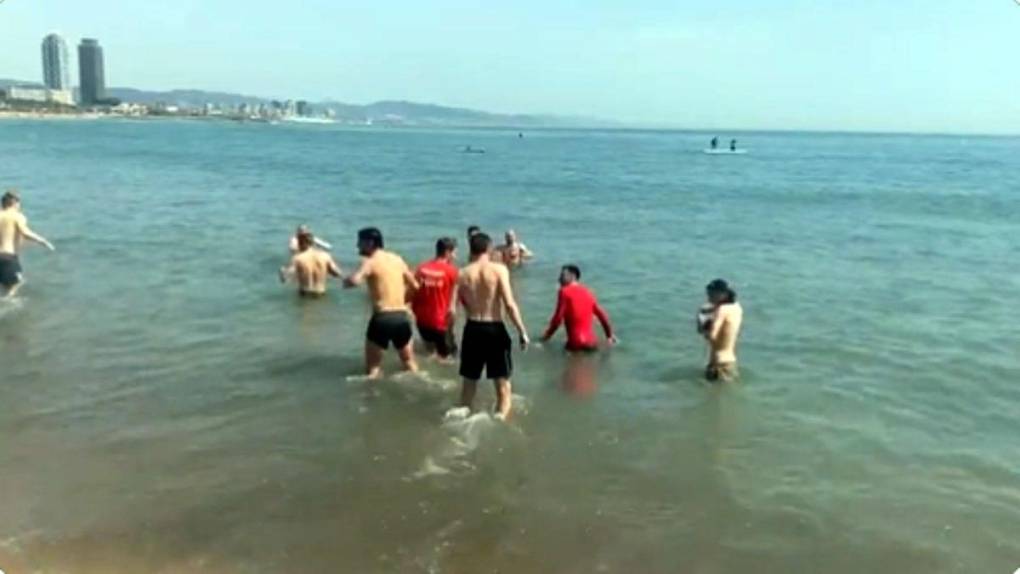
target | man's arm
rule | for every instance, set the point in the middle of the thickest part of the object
(557, 318)
(358, 277)
(288, 271)
(525, 252)
(32, 236)
(507, 294)
(333, 268)
(721, 317)
(603, 318)
(451, 313)
(409, 279)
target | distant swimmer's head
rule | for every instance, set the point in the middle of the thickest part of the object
(481, 244)
(569, 274)
(719, 292)
(369, 240)
(511, 236)
(10, 199)
(302, 229)
(446, 248)
(305, 239)
(473, 230)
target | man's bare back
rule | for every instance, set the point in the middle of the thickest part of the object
(312, 268)
(480, 287)
(11, 236)
(388, 277)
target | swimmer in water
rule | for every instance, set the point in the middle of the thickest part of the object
(513, 253)
(715, 142)
(435, 301)
(14, 231)
(485, 292)
(311, 267)
(576, 306)
(733, 145)
(722, 332)
(389, 281)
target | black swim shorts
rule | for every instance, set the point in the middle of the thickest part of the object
(387, 327)
(445, 342)
(485, 345)
(10, 270)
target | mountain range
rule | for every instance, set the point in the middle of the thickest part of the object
(387, 111)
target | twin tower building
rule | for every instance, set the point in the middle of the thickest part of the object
(57, 68)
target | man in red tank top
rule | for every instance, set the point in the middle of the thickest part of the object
(576, 307)
(434, 303)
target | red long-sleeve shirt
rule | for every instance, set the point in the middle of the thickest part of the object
(576, 306)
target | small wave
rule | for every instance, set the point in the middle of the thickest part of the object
(11, 305)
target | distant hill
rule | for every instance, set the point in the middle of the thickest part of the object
(390, 112)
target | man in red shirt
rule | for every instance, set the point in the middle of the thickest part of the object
(434, 303)
(576, 306)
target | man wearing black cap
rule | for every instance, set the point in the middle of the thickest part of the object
(720, 326)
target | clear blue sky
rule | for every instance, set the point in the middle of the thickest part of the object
(889, 65)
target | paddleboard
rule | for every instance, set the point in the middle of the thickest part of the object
(724, 151)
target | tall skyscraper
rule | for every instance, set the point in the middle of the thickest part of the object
(90, 68)
(56, 64)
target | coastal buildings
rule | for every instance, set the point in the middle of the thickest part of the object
(92, 78)
(56, 64)
(39, 95)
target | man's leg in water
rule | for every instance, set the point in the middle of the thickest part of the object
(467, 393)
(504, 396)
(12, 290)
(407, 357)
(373, 360)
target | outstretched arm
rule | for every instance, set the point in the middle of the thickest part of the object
(359, 276)
(333, 268)
(410, 280)
(32, 236)
(507, 294)
(287, 271)
(557, 318)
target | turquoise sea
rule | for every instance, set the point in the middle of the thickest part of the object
(167, 406)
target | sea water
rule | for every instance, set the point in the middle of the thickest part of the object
(167, 406)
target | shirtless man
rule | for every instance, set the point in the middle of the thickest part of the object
(389, 280)
(13, 231)
(310, 267)
(514, 253)
(722, 332)
(485, 292)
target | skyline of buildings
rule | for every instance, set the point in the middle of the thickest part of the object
(56, 63)
(92, 93)
(91, 71)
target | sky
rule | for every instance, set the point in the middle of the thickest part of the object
(865, 65)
